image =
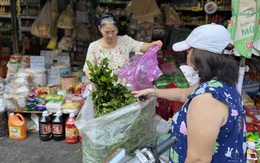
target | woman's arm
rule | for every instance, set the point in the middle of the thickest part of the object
(172, 94)
(206, 115)
(146, 46)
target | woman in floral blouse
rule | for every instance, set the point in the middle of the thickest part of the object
(116, 48)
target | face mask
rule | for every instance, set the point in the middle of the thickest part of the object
(190, 74)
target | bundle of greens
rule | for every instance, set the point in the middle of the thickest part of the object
(109, 95)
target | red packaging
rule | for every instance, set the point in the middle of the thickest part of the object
(72, 133)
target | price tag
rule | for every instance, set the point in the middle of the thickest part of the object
(53, 76)
(37, 62)
(64, 60)
(48, 56)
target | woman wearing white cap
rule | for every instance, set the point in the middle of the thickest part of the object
(210, 126)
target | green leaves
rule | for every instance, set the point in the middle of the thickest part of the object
(109, 96)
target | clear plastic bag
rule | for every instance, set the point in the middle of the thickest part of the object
(142, 70)
(130, 127)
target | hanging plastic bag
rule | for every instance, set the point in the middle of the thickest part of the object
(142, 70)
(65, 20)
(42, 25)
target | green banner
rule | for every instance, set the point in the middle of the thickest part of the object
(242, 26)
(256, 45)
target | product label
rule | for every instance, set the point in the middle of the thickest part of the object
(45, 128)
(71, 132)
(15, 131)
(57, 129)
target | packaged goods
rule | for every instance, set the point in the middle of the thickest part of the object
(72, 133)
(20, 103)
(54, 106)
(67, 80)
(17, 126)
(39, 76)
(42, 25)
(53, 97)
(10, 103)
(58, 128)
(51, 88)
(45, 126)
(65, 20)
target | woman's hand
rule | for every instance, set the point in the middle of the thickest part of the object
(146, 46)
(144, 94)
(158, 42)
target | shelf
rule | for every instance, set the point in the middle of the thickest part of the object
(29, 4)
(194, 9)
(25, 111)
(114, 2)
(5, 15)
(5, 4)
(40, 112)
(28, 16)
(26, 29)
(5, 28)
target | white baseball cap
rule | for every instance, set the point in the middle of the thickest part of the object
(210, 37)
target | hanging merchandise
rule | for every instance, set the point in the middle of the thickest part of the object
(65, 20)
(256, 45)
(144, 10)
(45, 126)
(72, 133)
(242, 26)
(17, 126)
(58, 127)
(42, 25)
(171, 16)
(54, 18)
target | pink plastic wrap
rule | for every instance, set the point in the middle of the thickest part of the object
(142, 70)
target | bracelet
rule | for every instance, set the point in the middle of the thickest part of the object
(154, 91)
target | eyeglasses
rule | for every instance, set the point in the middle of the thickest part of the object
(114, 32)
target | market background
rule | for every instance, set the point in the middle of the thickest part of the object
(56, 56)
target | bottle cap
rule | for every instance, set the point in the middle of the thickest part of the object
(72, 115)
(58, 113)
(45, 113)
(11, 114)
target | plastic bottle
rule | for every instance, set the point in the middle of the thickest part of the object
(170, 123)
(72, 133)
(45, 126)
(17, 126)
(252, 153)
(58, 127)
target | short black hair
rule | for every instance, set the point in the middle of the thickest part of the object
(209, 65)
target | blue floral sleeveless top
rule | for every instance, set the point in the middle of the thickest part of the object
(230, 145)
